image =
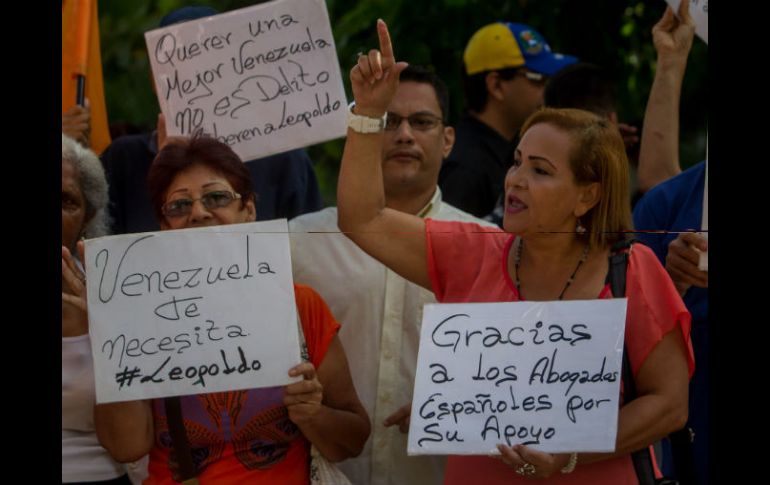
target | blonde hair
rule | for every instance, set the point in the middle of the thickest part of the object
(598, 155)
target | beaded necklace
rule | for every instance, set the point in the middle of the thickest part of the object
(517, 261)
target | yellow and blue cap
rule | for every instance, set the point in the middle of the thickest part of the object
(504, 45)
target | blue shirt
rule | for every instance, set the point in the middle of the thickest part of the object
(677, 205)
(674, 205)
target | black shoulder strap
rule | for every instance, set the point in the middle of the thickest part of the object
(179, 441)
(616, 275)
(616, 278)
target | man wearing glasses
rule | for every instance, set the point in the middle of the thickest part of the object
(505, 67)
(380, 312)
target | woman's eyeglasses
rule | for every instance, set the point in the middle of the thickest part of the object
(212, 200)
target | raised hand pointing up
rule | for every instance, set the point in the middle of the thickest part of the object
(374, 78)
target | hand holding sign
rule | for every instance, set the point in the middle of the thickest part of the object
(73, 295)
(303, 399)
(532, 463)
(374, 79)
(673, 36)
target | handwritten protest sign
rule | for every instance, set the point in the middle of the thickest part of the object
(544, 374)
(699, 11)
(191, 311)
(263, 79)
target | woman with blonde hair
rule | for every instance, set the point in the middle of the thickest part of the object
(566, 205)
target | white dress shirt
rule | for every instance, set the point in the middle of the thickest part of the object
(380, 313)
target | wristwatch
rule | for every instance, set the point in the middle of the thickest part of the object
(365, 124)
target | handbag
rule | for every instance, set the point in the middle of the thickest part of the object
(642, 459)
(322, 471)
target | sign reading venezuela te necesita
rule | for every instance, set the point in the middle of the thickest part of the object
(191, 311)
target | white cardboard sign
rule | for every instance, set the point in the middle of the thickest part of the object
(263, 79)
(699, 11)
(544, 374)
(192, 311)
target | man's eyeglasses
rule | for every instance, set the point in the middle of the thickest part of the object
(212, 200)
(417, 121)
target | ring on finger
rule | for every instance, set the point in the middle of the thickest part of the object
(526, 470)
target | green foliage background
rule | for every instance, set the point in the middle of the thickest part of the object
(615, 34)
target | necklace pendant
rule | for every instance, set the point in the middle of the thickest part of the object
(517, 262)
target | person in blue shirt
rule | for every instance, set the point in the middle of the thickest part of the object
(665, 218)
(673, 206)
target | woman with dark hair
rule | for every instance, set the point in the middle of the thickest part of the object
(181, 158)
(83, 214)
(256, 436)
(566, 205)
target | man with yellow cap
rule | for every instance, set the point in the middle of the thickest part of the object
(505, 67)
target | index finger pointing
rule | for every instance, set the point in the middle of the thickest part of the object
(385, 46)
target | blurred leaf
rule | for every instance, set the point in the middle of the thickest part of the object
(627, 30)
(613, 33)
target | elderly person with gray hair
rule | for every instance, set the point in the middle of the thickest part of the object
(84, 194)
(83, 214)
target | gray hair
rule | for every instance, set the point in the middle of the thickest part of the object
(93, 185)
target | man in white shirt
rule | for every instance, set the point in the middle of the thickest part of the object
(380, 312)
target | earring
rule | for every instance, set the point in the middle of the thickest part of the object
(580, 228)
